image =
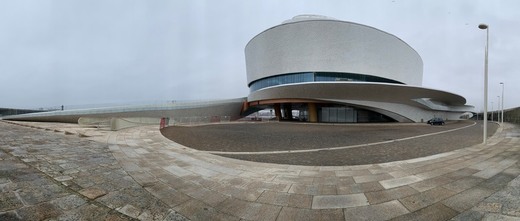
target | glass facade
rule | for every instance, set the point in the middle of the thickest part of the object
(331, 113)
(346, 114)
(338, 115)
(315, 77)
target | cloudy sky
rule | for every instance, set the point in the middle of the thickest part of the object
(78, 53)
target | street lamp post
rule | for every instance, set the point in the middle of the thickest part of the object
(484, 26)
(502, 118)
(492, 117)
(498, 109)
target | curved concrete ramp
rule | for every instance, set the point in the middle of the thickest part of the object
(230, 108)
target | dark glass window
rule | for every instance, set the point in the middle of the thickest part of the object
(315, 77)
(334, 76)
(282, 79)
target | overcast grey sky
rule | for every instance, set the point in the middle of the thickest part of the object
(122, 51)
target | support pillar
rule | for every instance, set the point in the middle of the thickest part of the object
(277, 112)
(288, 112)
(313, 112)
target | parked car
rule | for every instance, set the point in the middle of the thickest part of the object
(436, 121)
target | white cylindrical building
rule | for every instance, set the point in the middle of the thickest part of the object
(318, 65)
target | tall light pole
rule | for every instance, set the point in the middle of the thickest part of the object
(502, 119)
(492, 117)
(498, 109)
(484, 26)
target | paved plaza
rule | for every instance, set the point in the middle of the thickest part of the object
(64, 172)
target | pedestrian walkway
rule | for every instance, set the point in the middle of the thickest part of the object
(479, 183)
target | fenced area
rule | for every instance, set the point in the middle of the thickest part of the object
(512, 115)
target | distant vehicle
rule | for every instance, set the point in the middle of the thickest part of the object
(436, 121)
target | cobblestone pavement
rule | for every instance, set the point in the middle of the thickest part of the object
(137, 173)
(274, 136)
(44, 175)
(302, 144)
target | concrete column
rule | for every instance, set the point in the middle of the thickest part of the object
(277, 112)
(313, 112)
(288, 111)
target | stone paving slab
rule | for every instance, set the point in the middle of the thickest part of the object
(136, 173)
(401, 181)
(377, 197)
(286, 199)
(426, 198)
(383, 211)
(289, 213)
(339, 201)
(434, 212)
